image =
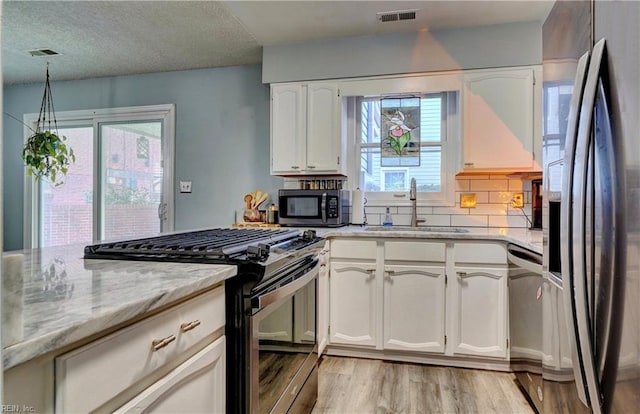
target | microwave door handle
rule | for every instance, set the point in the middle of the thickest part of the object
(567, 222)
(323, 207)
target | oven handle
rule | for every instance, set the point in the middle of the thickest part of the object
(289, 288)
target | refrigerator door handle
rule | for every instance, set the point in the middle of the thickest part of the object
(567, 215)
(583, 317)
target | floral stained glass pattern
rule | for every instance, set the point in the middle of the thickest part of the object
(400, 145)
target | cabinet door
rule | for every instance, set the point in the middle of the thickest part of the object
(480, 312)
(353, 304)
(498, 111)
(323, 147)
(288, 128)
(414, 308)
(196, 386)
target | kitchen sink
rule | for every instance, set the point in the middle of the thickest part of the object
(419, 228)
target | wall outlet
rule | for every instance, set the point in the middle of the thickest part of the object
(185, 186)
(517, 200)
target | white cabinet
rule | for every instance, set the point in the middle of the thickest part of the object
(198, 386)
(354, 304)
(501, 120)
(438, 298)
(481, 311)
(306, 131)
(414, 308)
(106, 373)
(479, 314)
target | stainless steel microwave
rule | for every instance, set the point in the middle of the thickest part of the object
(315, 208)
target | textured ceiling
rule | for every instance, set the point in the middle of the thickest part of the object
(108, 38)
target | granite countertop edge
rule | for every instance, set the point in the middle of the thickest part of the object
(528, 239)
(81, 329)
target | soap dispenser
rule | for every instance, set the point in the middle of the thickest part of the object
(388, 221)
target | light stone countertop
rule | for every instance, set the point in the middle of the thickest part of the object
(529, 239)
(52, 297)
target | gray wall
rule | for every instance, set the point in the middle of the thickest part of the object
(469, 48)
(222, 136)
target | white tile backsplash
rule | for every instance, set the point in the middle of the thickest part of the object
(493, 208)
(469, 221)
(489, 185)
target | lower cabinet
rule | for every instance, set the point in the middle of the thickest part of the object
(354, 304)
(162, 362)
(196, 386)
(480, 312)
(440, 298)
(414, 308)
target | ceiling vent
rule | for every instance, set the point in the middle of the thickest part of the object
(43, 52)
(395, 16)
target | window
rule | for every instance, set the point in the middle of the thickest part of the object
(437, 152)
(118, 185)
(557, 100)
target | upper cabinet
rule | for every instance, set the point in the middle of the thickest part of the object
(306, 132)
(502, 120)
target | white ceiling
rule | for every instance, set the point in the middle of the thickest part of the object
(109, 38)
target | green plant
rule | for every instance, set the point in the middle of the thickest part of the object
(46, 155)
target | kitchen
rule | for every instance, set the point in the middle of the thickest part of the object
(209, 99)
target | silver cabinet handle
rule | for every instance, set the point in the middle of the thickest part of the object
(187, 326)
(469, 164)
(295, 167)
(389, 275)
(158, 344)
(311, 167)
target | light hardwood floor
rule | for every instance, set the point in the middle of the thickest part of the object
(354, 385)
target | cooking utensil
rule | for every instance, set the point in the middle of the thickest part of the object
(262, 197)
(248, 201)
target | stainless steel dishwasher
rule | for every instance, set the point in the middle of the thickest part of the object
(525, 320)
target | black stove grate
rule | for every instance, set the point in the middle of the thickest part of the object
(216, 243)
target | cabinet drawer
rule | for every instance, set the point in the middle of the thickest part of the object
(93, 374)
(484, 253)
(414, 251)
(353, 249)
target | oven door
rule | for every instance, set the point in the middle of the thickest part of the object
(283, 345)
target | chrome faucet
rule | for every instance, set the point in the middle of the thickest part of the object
(413, 197)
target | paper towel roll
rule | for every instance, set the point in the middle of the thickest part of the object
(357, 207)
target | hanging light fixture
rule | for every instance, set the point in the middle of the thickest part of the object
(45, 153)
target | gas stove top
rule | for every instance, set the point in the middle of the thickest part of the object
(219, 245)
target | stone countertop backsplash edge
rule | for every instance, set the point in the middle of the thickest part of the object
(53, 298)
(528, 239)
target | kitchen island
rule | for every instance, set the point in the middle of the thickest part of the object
(54, 298)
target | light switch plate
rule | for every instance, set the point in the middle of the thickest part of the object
(185, 186)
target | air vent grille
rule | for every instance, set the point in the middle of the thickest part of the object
(43, 52)
(394, 16)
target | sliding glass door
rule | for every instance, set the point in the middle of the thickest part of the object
(119, 187)
(66, 212)
(131, 177)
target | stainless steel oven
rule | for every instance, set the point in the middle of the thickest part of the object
(270, 308)
(284, 357)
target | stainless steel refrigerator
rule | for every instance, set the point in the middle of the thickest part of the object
(591, 220)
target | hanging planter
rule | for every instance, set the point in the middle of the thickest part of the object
(45, 153)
